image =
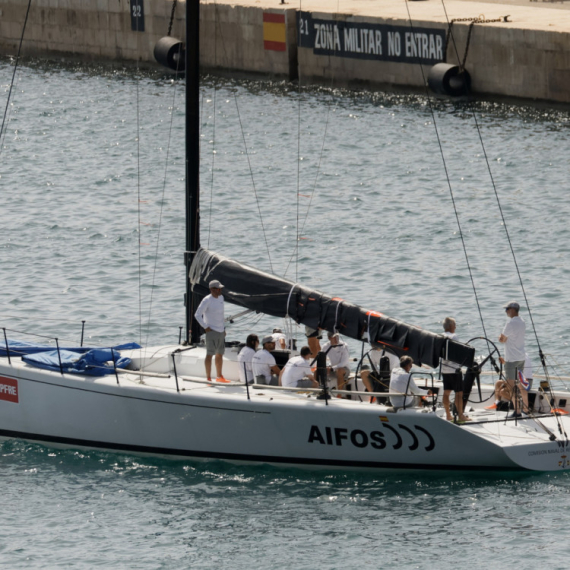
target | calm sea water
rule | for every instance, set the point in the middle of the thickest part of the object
(361, 176)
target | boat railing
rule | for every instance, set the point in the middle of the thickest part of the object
(286, 388)
(12, 352)
(320, 391)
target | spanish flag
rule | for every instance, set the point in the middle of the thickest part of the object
(274, 32)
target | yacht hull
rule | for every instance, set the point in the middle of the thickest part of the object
(220, 422)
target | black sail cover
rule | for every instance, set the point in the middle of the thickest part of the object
(278, 297)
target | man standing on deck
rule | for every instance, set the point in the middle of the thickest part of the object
(513, 339)
(210, 315)
(452, 376)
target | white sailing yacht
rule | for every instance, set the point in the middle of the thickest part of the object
(157, 401)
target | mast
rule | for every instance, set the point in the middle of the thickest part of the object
(192, 159)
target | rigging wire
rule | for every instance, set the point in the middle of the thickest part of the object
(213, 164)
(2, 133)
(213, 126)
(173, 110)
(295, 254)
(540, 352)
(485, 155)
(297, 235)
(429, 99)
(247, 153)
(139, 204)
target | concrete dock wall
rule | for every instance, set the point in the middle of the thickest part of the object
(527, 57)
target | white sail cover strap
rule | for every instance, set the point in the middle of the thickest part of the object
(289, 299)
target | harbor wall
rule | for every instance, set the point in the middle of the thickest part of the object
(503, 58)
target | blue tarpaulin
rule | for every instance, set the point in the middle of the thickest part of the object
(94, 362)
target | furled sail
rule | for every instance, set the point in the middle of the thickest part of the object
(273, 295)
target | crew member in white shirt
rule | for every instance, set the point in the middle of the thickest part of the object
(210, 315)
(245, 357)
(339, 357)
(400, 381)
(452, 376)
(513, 339)
(297, 371)
(263, 364)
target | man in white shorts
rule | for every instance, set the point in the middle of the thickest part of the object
(263, 364)
(210, 315)
(297, 372)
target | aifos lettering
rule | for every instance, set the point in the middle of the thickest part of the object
(415, 438)
(8, 389)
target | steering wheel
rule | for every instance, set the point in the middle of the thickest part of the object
(488, 363)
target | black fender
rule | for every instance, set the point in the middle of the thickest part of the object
(447, 79)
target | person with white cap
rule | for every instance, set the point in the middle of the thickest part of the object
(264, 365)
(513, 339)
(210, 315)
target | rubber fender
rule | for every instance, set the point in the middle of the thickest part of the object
(170, 52)
(447, 79)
